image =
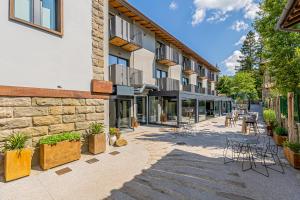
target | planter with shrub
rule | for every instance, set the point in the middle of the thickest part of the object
(59, 149)
(280, 136)
(17, 158)
(114, 134)
(292, 153)
(270, 119)
(97, 138)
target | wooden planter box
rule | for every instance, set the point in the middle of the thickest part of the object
(279, 140)
(59, 154)
(292, 157)
(17, 164)
(97, 143)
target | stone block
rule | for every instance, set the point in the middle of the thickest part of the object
(73, 118)
(99, 109)
(15, 101)
(4, 134)
(12, 123)
(68, 110)
(60, 128)
(6, 112)
(73, 102)
(33, 131)
(85, 109)
(94, 102)
(94, 116)
(55, 110)
(47, 120)
(30, 111)
(82, 125)
(46, 101)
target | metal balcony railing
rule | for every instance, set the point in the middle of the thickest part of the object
(167, 84)
(167, 53)
(123, 75)
(190, 88)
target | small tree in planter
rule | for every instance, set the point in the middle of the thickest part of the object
(280, 136)
(59, 149)
(114, 134)
(97, 139)
(17, 158)
(292, 153)
(270, 119)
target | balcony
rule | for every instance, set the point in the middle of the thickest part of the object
(125, 35)
(123, 75)
(167, 55)
(188, 66)
(211, 77)
(168, 84)
(190, 88)
(202, 74)
(200, 90)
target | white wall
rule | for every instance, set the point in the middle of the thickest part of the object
(33, 58)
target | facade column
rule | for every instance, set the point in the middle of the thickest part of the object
(197, 111)
(179, 110)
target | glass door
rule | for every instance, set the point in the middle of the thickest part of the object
(141, 103)
(124, 113)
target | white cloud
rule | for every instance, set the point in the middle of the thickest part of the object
(239, 26)
(173, 5)
(241, 41)
(222, 8)
(232, 62)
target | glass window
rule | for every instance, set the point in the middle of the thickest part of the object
(199, 85)
(185, 81)
(161, 74)
(117, 60)
(48, 14)
(158, 73)
(23, 10)
(164, 74)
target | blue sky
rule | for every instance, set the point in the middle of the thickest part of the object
(213, 28)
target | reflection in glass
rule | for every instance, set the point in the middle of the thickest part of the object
(188, 111)
(48, 14)
(202, 110)
(23, 10)
(141, 102)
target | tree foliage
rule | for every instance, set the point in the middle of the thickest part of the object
(280, 49)
(224, 85)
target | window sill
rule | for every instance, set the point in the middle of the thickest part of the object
(58, 33)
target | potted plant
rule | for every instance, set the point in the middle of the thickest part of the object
(270, 119)
(97, 139)
(163, 117)
(17, 158)
(113, 135)
(292, 153)
(280, 135)
(59, 149)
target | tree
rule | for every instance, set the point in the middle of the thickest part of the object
(224, 85)
(280, 49)
(244, 87)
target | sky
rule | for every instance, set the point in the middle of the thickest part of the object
(215, 29)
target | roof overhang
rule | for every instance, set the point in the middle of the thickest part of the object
(131, 12)
(290, 17)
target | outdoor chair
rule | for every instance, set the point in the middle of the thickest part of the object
(235, 148)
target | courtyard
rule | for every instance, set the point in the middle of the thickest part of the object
(159, 164)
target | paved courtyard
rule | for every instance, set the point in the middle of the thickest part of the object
(159, 164)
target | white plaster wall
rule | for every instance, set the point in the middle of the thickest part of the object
(193, 79)
(33, 58)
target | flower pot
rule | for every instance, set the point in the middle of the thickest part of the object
(279, 140)
(17, 164)
(292, 157)
(59, 154)
(97, 143)
(269, 130)
(112, 139)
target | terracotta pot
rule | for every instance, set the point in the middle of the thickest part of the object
(292, 157)
(97, 143)
(279, 140)
(112, 139)
(17, 164)
(59, 154)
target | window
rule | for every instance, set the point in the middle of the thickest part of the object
(117, 60)
(42, 14)
(185, 81)
(199, 85)
(161, 74)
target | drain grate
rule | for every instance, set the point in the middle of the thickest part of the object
(114, 153)
(181, 143)
(93, 160)
(63, 171)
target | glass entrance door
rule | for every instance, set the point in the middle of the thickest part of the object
(141, 103)
(124, 113)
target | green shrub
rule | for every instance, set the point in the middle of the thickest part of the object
(281, 131)
(113, 131)
(96, 128)
(269, 116)
(54, 139)
(15, 142)
(295, 147)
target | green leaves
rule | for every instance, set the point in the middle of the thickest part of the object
(96, 128)
(15, 142)
(54, 139)
(269, 116)
(281, 131)
(295, 147)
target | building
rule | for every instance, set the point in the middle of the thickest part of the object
(157, 79)
(290, 17)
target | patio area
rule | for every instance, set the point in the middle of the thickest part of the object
(160, 164)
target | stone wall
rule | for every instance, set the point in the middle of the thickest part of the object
(38, 117)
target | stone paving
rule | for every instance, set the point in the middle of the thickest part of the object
(159, 164)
